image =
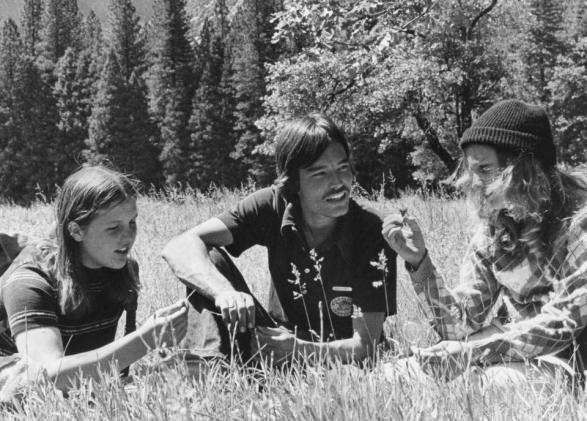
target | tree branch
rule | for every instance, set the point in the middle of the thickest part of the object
(421, 15)
(478, 18)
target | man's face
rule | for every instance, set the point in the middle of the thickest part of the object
(325, 186)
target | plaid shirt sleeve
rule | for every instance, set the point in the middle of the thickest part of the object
(460, 311)
(551, 330)
(561, 319)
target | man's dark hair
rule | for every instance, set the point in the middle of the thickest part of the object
(299, 144)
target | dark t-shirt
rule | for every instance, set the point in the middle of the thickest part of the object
(28, 300)
(319, 290)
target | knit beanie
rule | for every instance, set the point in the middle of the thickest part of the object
(515, 125)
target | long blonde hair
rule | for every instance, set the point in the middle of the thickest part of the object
(539, 204)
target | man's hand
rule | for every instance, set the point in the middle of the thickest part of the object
(237, 309)
(277, 342)
(446, 359)
(408, 243)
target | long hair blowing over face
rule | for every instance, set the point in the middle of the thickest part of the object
(538, 204)
(85, 193)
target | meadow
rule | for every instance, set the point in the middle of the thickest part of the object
(321, 392)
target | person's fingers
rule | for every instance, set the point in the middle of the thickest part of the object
(391, 231)
(388, 227)
(177, 318)
(170, 309)
(250, 304)
(242, 313)
(394, 237)
(269, 336)
(170, 324)
(413, 224)
(225, 312)
(269, 331)
(233, 314)
(393, 219)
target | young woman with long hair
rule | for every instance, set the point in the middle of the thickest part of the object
(61, 299)
(529, 250)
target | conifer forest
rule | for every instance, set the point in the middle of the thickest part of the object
(192, 93)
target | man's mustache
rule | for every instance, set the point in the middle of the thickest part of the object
(337, 191)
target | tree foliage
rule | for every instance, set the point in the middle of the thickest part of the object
(196, 94)
(32, 13)
(403, 79)
(171, 85)
(125, 38)
(27, 120)
(120, 131)
(211, 139)
(61, 23)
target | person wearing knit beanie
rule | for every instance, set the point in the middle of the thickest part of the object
(530, 248)
(516, 125)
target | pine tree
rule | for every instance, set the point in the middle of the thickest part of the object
(91, 34)
(61, 28)
(26, 156)
(11, 50)
(544, 44)
(119, 129)
(568, 105)
(568, 88)
(575, 21)
(72, 99)
(91, 56)
(210, 123)
(87, 76)
(250, 42)
(171, 82)
(31, 15)
(125, 37)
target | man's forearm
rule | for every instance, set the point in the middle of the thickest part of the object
(188, 257)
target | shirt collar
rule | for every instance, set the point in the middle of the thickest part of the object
(342, 235)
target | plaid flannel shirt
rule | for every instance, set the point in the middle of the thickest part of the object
(546, 300)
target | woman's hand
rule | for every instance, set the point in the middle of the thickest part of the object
(167, 326)
(446, 359)
(408, 243)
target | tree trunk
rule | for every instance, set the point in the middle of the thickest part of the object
(434, 141)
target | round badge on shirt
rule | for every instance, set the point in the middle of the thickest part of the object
(342, 306)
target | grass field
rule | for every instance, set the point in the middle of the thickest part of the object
(337, 393)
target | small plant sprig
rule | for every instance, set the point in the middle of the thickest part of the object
(317, 264)
(357, 312)
(302, 288)
(299, 295)
(381, 265)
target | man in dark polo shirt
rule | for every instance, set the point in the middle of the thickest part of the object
(333, 273)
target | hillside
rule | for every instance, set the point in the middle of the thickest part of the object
(197, 8)
(11, 8)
